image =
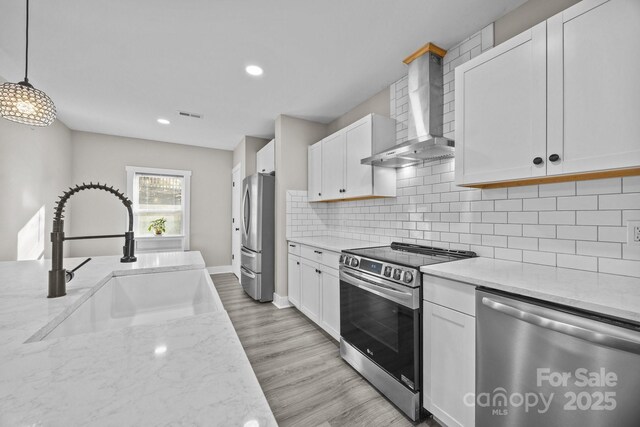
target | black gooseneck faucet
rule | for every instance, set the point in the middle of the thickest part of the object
(58, 276)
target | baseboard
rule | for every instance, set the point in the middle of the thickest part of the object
(281, 302)
(220, 269)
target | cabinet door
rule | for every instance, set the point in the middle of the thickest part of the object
(333, 165)
(359, 177)
(314, 187)
(594, 86)
(501, 111)
(265, 158)
(449, 364)
(294, 280)
(310, 290)
(331, 302)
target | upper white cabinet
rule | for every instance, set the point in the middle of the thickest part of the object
(501, 111)
(315, 172)
(265, 158)
(557, 102)
(594, 87)
(340, 172)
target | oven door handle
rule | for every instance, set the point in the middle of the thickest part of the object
(407, 299)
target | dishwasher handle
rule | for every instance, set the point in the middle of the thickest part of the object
(627, 343)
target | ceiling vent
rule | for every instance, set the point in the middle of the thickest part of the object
(192, 115)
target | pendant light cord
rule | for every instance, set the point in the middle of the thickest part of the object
(26, 53)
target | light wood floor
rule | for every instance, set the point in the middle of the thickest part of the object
(300, 369)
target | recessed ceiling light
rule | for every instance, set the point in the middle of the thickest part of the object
(254, 70)
(164, 121)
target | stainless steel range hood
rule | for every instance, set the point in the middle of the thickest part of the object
(425, 142)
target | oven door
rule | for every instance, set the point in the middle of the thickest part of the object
(382, 320)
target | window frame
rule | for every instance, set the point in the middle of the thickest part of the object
(186, 201)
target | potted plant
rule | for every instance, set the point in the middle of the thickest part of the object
(158, 226)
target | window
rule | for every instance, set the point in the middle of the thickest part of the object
(160, 193)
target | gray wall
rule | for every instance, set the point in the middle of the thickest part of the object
(35, 167)
(103, 158)
(378, 103)
(245, 153)
(526, 16)
(293, 137)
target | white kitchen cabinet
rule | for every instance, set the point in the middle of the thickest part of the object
(501, 111)
(314, 285)
(266, 158)
(293, 276)
(330, 283)
(333, 166)
(314, 190)
(310, 292)
(340, 171)
(449, 339)
(594, 87)
(558, 102)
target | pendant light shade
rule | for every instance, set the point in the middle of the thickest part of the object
(21, 102)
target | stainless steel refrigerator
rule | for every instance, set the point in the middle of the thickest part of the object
(258, 236)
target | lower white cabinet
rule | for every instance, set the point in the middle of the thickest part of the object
(449, 343)
(330, 302)
(314, 285)
(294, 279)
(310, 289)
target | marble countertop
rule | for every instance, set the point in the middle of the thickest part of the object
(187, 371)
(608, 294)
(336, 244)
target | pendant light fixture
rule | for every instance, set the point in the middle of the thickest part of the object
(21, 102)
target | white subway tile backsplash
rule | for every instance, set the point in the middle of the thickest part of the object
(599, 186)
(620, 201)
(578, 262)
(599, 249)
(575, 224)
(599, 218)
(619, 266)
(577, 203)
(577, 232)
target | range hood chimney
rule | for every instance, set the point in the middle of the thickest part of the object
(425, 142)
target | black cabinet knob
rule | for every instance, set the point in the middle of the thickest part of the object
(237, 229)
(554, 158)
(538, 161)
(319, 194)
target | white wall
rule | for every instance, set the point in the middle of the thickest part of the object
(293, 137)
(35, 167)
(103, 158)
(378, 104)
(245, 154)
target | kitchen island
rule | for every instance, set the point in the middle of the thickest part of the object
(187, 371)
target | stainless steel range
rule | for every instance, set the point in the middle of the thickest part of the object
(380, 317)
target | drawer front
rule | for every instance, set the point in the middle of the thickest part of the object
(331, 259)
(294, 248)
(449, 293)
(250, 260)
(311, 253)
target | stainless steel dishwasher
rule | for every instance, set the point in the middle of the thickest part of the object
(541, 364)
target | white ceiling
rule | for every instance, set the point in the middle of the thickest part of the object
(115, 66)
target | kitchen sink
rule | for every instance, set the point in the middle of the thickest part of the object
(142, 299)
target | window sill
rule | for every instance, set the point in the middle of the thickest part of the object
(174, 236)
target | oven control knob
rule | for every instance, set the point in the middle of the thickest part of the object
(387, 271)
(408, 277)
(354, 262)
(342, 258)
(347, 260)
(397, 274)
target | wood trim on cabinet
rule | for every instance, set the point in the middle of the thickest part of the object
(615, 173)
(350, 199)
(429, 47)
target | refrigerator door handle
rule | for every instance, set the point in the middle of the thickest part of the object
(628, 344)
(248, 253)
(247, 273)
